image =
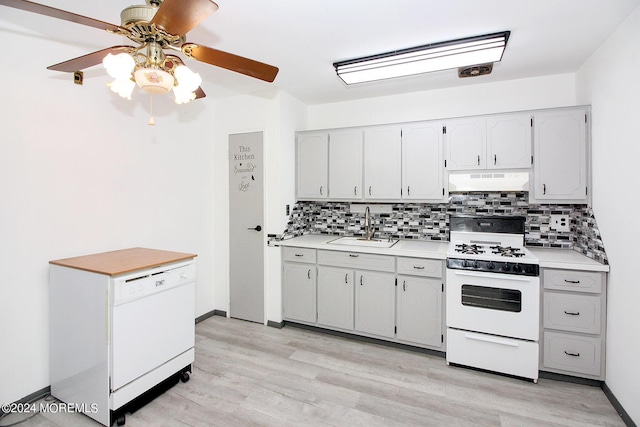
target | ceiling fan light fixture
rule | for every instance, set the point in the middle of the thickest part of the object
(182, 95)
(119, 66)
(123, 87)
(439, 56)
(154, 80)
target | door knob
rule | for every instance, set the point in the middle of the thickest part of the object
(257, 228)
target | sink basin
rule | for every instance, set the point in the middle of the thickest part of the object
(360, 241)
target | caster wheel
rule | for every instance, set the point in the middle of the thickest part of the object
(184, 377)
(120, 421)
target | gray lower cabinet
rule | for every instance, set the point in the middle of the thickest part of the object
(574, 316)
(375, 303)
(382, 296)
(335, 297)
(299, 284)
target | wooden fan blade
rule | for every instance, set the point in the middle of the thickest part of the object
(178, 17)
(200, 93)
(59, 13)
(89, 60)
(231, 62)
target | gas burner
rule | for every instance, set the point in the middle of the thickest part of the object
(507, 251)
(469, 249)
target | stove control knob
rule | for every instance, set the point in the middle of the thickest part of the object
(476, 264)
(491, 265)
(506, 267)
(517, 268)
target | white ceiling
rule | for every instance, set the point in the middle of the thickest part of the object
(305, 37)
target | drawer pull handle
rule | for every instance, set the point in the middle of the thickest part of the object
(346, 278)
(309, 274)
(360, 280)
(419, 267)
(572, 281)
(572, 313)
(404, 285)
(568, 353)
(299, 254)
(354, 255)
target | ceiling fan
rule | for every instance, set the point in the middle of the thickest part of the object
(155, 27)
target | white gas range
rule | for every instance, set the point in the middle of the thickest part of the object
(493, 296)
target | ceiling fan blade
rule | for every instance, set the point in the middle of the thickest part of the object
(60, 14)
(178, 17)
(88, 60)
(231, 62)
(200, 93)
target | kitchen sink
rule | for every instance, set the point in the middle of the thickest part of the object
(361, 241)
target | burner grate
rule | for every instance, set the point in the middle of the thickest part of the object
(464, 248)
(507, 251)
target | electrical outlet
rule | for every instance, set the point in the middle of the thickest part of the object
(560, 223)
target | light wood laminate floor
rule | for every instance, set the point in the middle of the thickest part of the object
(247, 374)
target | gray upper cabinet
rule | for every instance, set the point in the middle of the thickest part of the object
(345, 164)
(560, 156)
(312, 166)
(501, 141)
(382, 163)
(422, 165)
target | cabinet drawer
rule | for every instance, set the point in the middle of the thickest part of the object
(572, 353)
(569, 312)
(357, 260)
(580, 281)
(420, 267)
(299, 254)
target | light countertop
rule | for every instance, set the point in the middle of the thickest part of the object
(409, 248)
(549, 258)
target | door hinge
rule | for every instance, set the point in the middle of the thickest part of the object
(444, 129)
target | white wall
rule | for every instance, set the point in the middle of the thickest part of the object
(608, 81)
(480, 98)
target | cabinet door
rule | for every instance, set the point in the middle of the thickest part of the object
(312, 165)
(335, 297)
(466, 142)
(509, 141)
(422, 162)
(345, 164)
(419, 311)
(382, 163)
(299, 292)
(375, 303)
(560, 162)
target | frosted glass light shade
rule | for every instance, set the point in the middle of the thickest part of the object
(153, 81)
(119, 66)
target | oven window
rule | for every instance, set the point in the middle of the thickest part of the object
(492, 298)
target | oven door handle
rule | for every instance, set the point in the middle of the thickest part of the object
(492, 340)
(493, 275)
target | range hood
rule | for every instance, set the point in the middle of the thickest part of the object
(488, 181)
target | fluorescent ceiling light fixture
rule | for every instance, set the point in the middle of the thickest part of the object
(424, 59)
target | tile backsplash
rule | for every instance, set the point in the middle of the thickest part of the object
(423, 221)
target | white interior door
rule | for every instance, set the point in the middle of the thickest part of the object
(246, 234)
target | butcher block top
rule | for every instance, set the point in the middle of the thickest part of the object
(123, 261)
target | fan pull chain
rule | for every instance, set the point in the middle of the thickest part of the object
(151, 121)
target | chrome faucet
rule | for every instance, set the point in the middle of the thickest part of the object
(368, 228)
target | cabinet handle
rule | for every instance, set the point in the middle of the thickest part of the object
(408, 190)
(354, 255)
(404, 285)
(355, 190)
(360, 280)
(568, 353)
(495, 159)
(369, 190)
(321, 190)
(346, 278)
(478, 159)
(299, 255)
(572, 313)
(544, 188)
(309, 274)
(572, 281)
(419, 267)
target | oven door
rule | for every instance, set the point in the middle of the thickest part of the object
(494, 303)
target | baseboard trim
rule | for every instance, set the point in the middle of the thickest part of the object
(617, 406)
(570, 379)
(36, 395)
(211, 314)
(277, 325)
